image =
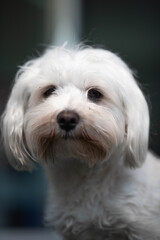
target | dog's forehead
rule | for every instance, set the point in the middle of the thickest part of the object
(78, 68)
(81, 68)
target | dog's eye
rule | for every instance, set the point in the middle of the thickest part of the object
(49, 91)
(94, 95)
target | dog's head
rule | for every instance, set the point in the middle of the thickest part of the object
(81, 103)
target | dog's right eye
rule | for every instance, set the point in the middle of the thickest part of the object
(49, 92)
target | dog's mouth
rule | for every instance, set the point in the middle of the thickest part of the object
(68, 135)
(74, 144)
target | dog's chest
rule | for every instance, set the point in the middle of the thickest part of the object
(82, 196)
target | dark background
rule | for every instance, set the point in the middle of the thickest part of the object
(129, 28)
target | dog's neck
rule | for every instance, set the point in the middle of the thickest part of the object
(71, 174)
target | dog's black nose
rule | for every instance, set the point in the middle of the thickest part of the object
(67, 120)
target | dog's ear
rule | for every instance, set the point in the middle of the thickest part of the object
(137, 125)
(12, 126)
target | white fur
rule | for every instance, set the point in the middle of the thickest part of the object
(103, 183)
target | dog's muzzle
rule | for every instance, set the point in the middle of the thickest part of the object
(67, 120)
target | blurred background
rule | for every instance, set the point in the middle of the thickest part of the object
(129, 28)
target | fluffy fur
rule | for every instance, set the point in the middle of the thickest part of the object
(104, 184)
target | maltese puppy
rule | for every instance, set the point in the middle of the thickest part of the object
(80, 114)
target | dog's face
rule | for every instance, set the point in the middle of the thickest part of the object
(75, 103)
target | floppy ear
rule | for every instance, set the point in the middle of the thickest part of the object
(12, 128)
(137, 125)
(135, 111)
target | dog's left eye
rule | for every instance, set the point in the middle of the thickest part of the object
(94, 95)
(49, 91)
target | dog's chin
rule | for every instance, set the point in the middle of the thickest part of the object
(66, 145)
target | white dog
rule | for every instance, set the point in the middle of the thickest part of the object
(81, 114)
